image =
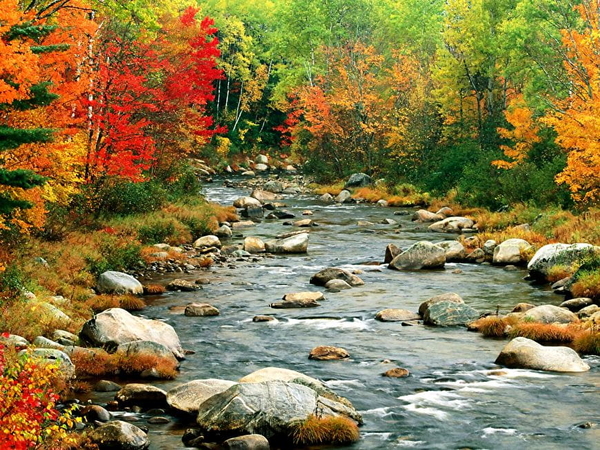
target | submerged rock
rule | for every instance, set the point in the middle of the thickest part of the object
(200, 310)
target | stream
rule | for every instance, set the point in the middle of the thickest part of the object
(455, 397)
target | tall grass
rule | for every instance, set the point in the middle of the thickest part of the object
(327, 430)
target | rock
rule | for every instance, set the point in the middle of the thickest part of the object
(43, 342)
(116, 326)
(253, 212)
(396, 315)
(263, 319)
(269, 408)
(273, 186)
(243, 224)
(384, 204)
(364, 223)
(64, 337)
(107, 386)
(512, 251)
(119, 435)
(343, 197)
(358, 180)
(307, 212)
(293, 244)
(245, 202)
(182, 285)
(279, 374)
(93, 413)
(588, 311)
(261, 167)
(594, 318)
(448, 297)
(247, 442)
(397, 372)
(112, 282)
(326, 198)
(136, 348)
(254, 245)
(141, 395)
(224, 231)
(452, 225)
(550, 314)
(281, 214)
(523, 353)
(159, 420)
(445, 212)
(454, 250)
(522, 307)
(208, 241)
(449, 314)
(576, 304)
(189, 396)
(328, 353)
(299, 303)
(560, 287)
(50, 313)
(476, 256)
(423, 215)
(304, 223)
(200, 310)
(263, 196)
(421, 255)
(13, 340)
(557, 255)
(249, 174)
(337, 285)
(391, 251)
(322, 277)
(388, 222)
(489, 246)
(301, 296)
(53, 356)
(262, 159)
(291, 169)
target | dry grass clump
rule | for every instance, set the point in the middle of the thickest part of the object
(371, 195)
(545, 332)
(327, 430)
(587, 285)
(153, 254)
(333, 189)
(581, 228)
(559, 272)
(154, 289)
(491, 326)
(99, 303)
(587, 342)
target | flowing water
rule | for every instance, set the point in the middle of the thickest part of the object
(455, 397)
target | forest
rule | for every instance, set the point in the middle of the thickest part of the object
(110, 108)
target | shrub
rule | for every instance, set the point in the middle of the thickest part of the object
(115, 254)
(327, 430)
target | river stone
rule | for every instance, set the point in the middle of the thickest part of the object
(281, 214)
(279, 374)
(396, 315)
(523, 353)
(208, 241)
(119, 435)
(449, 314)
(182, 285)
(273, 186)
(116, 326)
(454, 250)
(343, 197)
(247, 442)
(200, 310)
(270, 408)
(249, 173)
(298, 303)
(557, 254)
(397, 372)
(261, 167)
(522, 307)
(422, 215)
(358, 180)
(293, 244)
(13, 340)
(141, 394)
(384, 204)
(445, 211)
(53, 356)
(112, 282)
(245, 202)
(136, 348)
(550, 314)
(447, 297)
(243, 224)
(391, 251)
(254, 245)
(263, 318)
(224, 231)
(189, 396)
(263, 196)
(489, 246)
(337, 285)
(107, 386)
(421, 255)
(304, 223)
(452, 225)
(511, 251)
(476, 256)
(94, 413)
(322, 277)
(262, 159)
(326, 198)
(253, 212)
(61, 336)
(328, 353)
(576, 304)
(310, 296)
(588, 311)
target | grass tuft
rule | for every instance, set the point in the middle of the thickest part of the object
(327, 430)
(544, 332)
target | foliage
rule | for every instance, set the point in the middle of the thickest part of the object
(325, 430)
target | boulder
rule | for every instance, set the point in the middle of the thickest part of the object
(269, 408)
(396, 315)
(397, 372)
(182, 285)
(322, 277)
(224, 231)
(263, 196)
(337, 285)
(384, 204)
(358, 180)
(116, 326)
(245, 202)
(13, 340)
(523, 353)
(476, 256)
(293, 244)
(141, 395)
(64, 337)
(262, 159)
(454, 250)
(343, 197)
(93, 413)
(50, 312)
(511, 251)
(261, 167)
(557, 255)
(449, 314)
(254, 245)
(421, 255)
(208, 241)
(189, 396)
(577, 304)
(522, 307)
(422, 215)
(200, 310)
(489, 246)
(273, 186)
(299, 303)
(137, 348)
(445, 211)
(281, 214)
(452, 225)
(328, 353)
(53, 356)
(326, 198)
(112, 282)
(279, 374)
(253, 212)
(301, 296)
(448, 297)
(44, 342)
(119, 435)
(107, 386)
(550, 314)
(304, 223)
(588, 312)
(247, 442)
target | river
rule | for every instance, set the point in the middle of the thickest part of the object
(455, 397)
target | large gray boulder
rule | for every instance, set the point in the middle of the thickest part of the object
(263, 196)
(422, 215)
(449, 314)
(452, 225)
(247, 442)
(254, 245)
(279, 374)
(512, 251)
(455, 251)
(292, 244)
(246, 202)
(343, 197)
(332, 273)
(116, 326)
(269, 408)
(447, 297)
(557, 255)
(523, 353)
(119, 435)
(135, 349)
(358, 180)
(112, 282)
(189, 396)
(141, 394)
(209, 240)
(550, 314)
(421, 255)
(274, 186)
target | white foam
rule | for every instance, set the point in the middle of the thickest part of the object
(491, 431)
(407, 443)
(440, 415)
(378, 412)
(326, 324)
(430, 402)
(343, 383)
(382, 436)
